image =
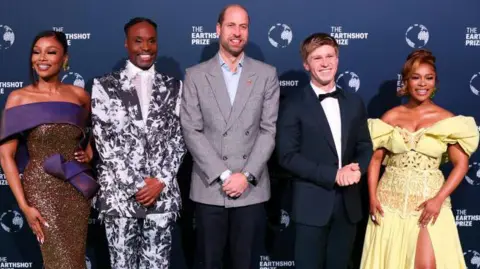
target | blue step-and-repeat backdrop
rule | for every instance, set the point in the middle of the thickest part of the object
(375, 38)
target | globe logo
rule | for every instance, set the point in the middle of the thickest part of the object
(74, 79)
(280, 35)
(284, 219)
(348, 81)
(472, 259)
(417, 36)
(11, 221)
(475, 84)
(473, 174)
(8, 37)
(88, 262)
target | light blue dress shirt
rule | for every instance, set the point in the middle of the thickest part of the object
(231, 78)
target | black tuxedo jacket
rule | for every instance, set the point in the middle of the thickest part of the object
(305, 148)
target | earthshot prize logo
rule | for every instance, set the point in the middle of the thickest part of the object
(417, 36)
(475, 84)
(72, 36)
(472, 259)
(7, 37)
(11, 221)
(472, 37)
(280, 35)
(6, 264)
(10, 85)
(463, 219)
(266, 263)
(202, 38)
(348, 80)
(73, 78)
(343, 38)
(473, 174)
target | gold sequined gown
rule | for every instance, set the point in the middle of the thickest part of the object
(411, 177)
(61, 205)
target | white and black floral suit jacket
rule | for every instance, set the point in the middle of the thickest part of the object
(130, 150)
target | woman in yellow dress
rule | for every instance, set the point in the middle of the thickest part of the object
(411, 222)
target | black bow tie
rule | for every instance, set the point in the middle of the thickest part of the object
(333, 94)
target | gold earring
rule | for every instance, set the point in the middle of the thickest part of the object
(66, 67)
(433, 93)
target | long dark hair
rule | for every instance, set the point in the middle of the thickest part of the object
(59, 36)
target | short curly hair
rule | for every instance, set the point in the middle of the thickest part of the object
(414, 60)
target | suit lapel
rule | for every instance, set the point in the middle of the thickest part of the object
(129, 97)
(246, 84)
(316, 110)
(157, 100)
(219, 88)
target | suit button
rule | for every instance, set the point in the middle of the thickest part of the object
(225, 158)
(225, 134)
(247, 133)
(245, 157)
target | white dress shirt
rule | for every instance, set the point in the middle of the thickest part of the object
(332, 112)
(142, 80)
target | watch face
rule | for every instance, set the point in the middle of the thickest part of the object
(252, 180)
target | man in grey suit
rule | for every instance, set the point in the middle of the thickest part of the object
(228, 116)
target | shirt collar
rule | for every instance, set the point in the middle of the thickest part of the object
(319, 91)
(133, 70)
(223, 64)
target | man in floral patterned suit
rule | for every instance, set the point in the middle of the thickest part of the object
(135, 117)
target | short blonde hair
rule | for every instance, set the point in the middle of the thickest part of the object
(315, 41)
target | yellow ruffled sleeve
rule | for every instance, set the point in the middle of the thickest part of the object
(380, 132)
(385, 136)
(456, 130)
(464, 131)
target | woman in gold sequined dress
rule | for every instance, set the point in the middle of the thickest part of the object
(411, 222)
(48, 117)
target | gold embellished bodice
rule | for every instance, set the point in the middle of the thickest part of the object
(412, 173)
(410, 178)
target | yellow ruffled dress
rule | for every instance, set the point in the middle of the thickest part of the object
(411, 177)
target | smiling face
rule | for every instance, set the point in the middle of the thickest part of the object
(322, 63)
(141, 44)
(421, 83)
(233, 31)
(47, 57)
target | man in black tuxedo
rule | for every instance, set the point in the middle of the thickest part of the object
(323, 140)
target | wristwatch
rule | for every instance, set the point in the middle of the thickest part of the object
(250, 178)
(225, 175)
